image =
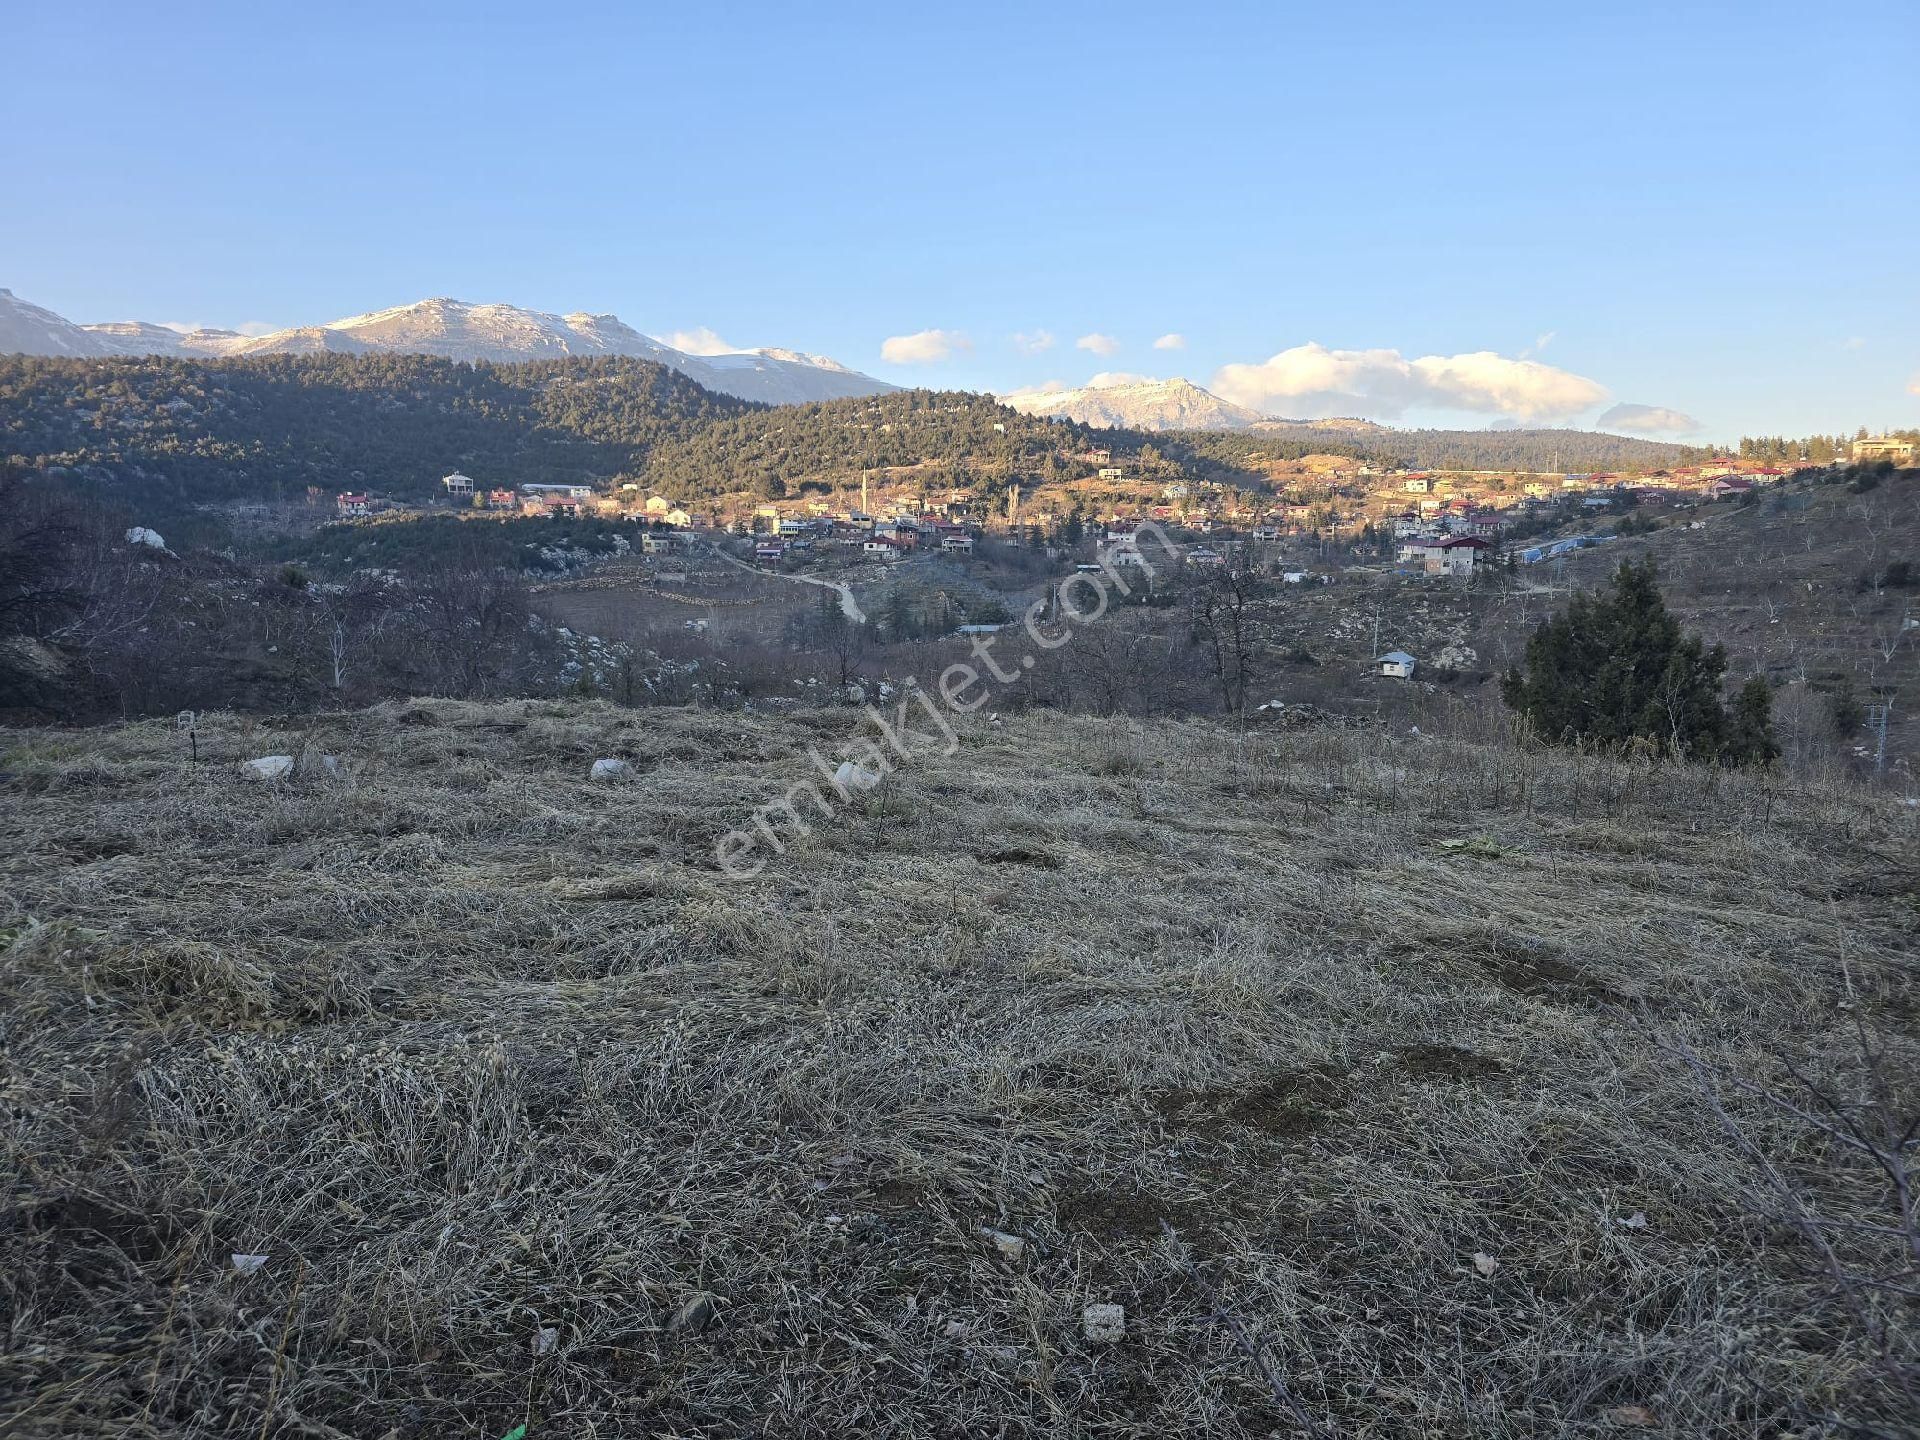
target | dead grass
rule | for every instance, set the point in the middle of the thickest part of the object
(474, 1049)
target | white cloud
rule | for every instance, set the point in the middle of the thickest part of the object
(1310, 381)
(1099, 344)
(923, 347)
(256, 328)
(698, 341)
(1033, 342)
(1648, 420)
(1172, 340)
(1913, 385)
(1854, 342)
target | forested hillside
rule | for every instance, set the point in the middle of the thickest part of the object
(1558, 451)
(772, 452)
(196, 430)
(174, 433)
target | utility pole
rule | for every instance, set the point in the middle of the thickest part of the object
(1878, 713)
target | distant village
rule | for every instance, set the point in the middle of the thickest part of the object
(1448, 524)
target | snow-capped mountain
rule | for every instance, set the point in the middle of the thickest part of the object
(456, 330)
(1138, 404)
(142, 337)
(302, 340)
(29, 330)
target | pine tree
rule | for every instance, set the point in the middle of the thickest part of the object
(1610, 670)
(1750, 739)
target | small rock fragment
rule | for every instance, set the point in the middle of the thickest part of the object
(1104, 1323)
(610, 769)
(695, 1316)
(1485, 1263)
(282, 767)
(1011, 1247)
(545, 1340)
(248, 1264)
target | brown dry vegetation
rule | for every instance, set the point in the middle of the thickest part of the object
(473, 1050)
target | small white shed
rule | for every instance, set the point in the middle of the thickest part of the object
(1396, 664)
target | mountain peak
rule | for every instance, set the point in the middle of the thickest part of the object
(1137, 402)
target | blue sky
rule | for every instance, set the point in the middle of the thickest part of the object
(1482, 214)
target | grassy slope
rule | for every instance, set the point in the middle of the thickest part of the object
(471, 1047)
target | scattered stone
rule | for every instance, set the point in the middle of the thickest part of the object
(695, 1316)
(545, 1340)
(1485, 1263)
(611, 770)
(141, 535)
(854, 695)
(282, 767)
(1104, 1323)
(1011, 1247)
(855, 777)
(248, 1264)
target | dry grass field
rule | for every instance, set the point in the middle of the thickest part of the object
(1395, 1089)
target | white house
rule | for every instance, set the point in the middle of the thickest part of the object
(1886, 447)
(1396, 664)
(457, 484)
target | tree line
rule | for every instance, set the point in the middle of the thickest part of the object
(175, 433)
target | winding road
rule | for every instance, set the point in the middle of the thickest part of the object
(849, 607)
